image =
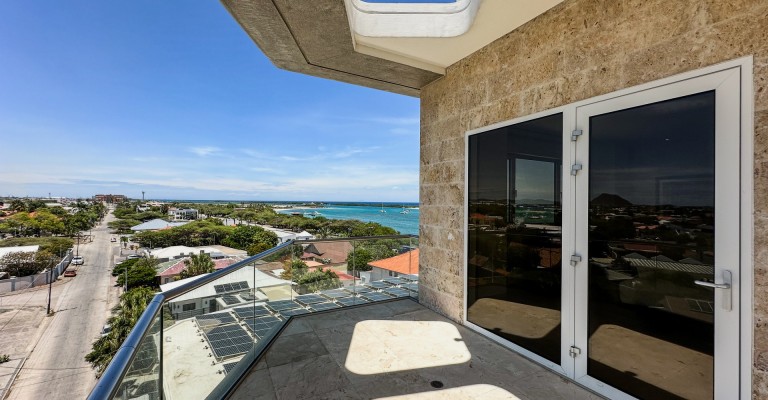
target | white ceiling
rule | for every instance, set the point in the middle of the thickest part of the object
(494, 19)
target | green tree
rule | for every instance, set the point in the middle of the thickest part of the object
(26, 263)
(294, 270)
(125, 315)
(246, 235)
(22, 223)
(47, 222)
(54, 245)
(119, 269)
(18, 205)
(318, 280)
(142, 273)
(197, 264)
(358, 259)
(123, 225)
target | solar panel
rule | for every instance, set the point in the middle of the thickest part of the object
(214, 319)
(307, 299)
(411, 278)
(146, 358)
(351, 301)
(229, 366)
(359, 289)
(247, 296)
(377, 285)
(324, 306)
(229, 340)
(263, 325)
(414, 287)
(230, 299)
(394, 281)
(296, 311)
(280, 305)
(251, 311)
(230, 287)
(397, 292)
(376, 296)
(335, 293)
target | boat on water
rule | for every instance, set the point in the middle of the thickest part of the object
(405, 211)
(382, 209)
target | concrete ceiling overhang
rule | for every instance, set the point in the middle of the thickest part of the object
(313, 37)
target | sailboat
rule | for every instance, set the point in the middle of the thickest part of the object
(382, 209)
(405, 210)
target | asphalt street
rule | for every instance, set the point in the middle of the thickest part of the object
(56, 368)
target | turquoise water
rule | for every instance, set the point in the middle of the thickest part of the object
(403, 223)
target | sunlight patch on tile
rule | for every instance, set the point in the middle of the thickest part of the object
(381, 346)
(482, 391)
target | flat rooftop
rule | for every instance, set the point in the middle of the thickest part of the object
(395, 350)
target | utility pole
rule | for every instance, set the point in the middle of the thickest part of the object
(50, 285)
(142, 196)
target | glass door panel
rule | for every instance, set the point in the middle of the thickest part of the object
(657, 217)
(651, 236)
(514, 254)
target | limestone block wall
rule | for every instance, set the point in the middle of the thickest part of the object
(577, 50)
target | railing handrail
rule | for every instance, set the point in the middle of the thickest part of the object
(110, 380)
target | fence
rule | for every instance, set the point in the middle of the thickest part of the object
(26, 282)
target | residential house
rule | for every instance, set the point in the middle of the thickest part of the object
(155, 225)
(402, 264)
(183, 214)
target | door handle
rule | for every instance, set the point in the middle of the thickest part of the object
(713, 285)
(725, 287)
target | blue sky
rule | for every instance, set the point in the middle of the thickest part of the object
(173, 98)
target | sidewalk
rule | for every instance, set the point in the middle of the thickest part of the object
(22, 322)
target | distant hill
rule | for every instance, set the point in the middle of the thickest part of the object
(534, 201)
(610, 200)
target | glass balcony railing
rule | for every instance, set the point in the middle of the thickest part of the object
(197, 339)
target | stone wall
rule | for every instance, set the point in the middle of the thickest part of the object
(577, 50)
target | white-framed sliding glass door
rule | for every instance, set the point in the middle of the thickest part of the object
(657, 227)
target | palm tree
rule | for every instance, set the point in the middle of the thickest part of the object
(126, 314)
(197, 264)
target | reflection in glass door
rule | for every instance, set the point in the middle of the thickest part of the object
(514, 259)
(657, 217)
(652, 222)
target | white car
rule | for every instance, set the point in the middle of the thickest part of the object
(77, 260)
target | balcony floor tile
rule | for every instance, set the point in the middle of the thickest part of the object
(395, 350)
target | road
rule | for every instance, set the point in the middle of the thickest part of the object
(56, 368)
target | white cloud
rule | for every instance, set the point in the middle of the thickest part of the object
(204, 151)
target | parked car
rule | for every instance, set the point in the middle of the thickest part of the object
(113, 240)
(132, 256)
(70, 272)
(77, 260)
(105, 330)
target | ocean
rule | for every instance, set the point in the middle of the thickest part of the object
(407, 224)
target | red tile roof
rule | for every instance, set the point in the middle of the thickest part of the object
(406, 263)
(176, 269)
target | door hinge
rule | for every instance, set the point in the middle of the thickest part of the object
(574, 351)
(575, 134)
(575, 168)
(575, 259)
